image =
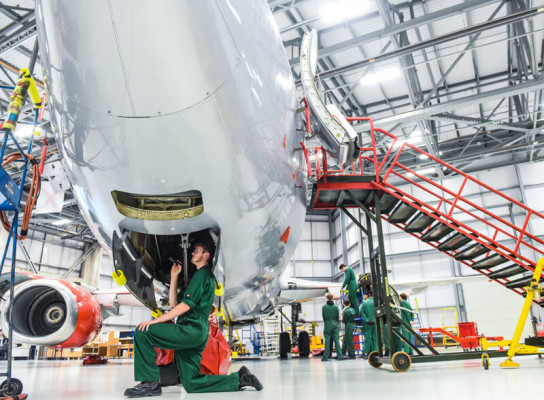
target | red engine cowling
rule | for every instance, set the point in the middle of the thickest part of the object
(51, 312)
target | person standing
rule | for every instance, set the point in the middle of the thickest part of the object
(350, 282)
(406, 317)
(369, 325)
(348, 318)
(331, 319)
(188, 337)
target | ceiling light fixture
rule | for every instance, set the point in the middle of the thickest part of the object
(380, 76)
(338, 11)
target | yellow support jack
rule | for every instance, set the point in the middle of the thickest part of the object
(533, 292)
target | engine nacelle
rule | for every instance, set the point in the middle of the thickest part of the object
(51, 312)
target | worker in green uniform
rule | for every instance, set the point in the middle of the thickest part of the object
(407, 317)
(350, 282)
(369, 325)
(396, 340)
(348, 318)
(188, 337)
(331, 319)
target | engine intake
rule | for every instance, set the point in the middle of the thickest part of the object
(52, 313)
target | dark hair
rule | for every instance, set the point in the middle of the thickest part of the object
(369, 294)
(404, 296)
(342, 266)
(347, 302)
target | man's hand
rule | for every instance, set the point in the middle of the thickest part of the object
(175, 271)
(144, 326)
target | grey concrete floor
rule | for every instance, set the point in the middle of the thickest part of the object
(297, 379)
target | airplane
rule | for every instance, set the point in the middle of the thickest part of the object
(176, 123)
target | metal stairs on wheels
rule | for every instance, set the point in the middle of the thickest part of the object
(486, 230)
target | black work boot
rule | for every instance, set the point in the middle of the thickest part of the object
(247, 380)
(145, 389)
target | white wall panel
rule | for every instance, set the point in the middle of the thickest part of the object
(321, 251)
(322, 269)
(304, 269)
(320, 230)
(495, 309)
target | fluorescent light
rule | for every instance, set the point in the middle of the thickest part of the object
(426, 171)
(23, 131)
(440, 152)
(380, 76)
(61, 222)
(337, 11)
(423, 156)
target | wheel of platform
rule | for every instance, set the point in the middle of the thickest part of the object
(485, 362)
(285, 344)
(373, 359)
(15, 387)
(303, 344)
(401, 361)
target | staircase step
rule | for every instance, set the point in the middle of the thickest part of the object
(402, 213)
(520, 282)
(490, 262)
(419, 222)
(437, 232)
(454, 242)
(387, 202)
(507, 272)
(471, 252)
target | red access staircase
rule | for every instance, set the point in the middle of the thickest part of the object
(434, 209)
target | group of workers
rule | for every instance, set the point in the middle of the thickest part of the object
(331, 318)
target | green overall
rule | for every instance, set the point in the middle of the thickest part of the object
(349, 322)
(397, 341)
(188, 337)
(369, 326)
(406, 317)
(350, 282)
(331, 317)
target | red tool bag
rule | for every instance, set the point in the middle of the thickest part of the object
(216, 358)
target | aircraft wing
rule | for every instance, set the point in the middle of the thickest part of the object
(301, 290)
(422, 285)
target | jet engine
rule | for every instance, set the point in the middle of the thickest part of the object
(51, 312)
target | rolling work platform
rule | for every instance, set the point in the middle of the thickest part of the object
(11, 196)
(385, 188)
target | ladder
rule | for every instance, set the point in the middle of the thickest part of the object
(270, 335)
(418, 202)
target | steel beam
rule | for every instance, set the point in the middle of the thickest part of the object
(398, 28)
(423, 113)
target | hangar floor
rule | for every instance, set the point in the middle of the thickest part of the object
(296, 379)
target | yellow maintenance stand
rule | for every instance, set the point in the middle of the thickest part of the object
(514, 348)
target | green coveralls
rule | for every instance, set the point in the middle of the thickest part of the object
(406, 317)
(331, 317)
(369, 326)
(349, 321)
(188, 337)
(351, 283)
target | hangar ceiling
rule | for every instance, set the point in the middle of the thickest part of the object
(462, 79)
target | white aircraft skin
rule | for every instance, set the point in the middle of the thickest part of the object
(159, 98)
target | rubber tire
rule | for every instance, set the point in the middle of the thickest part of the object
(285, 344)
(303, 344)
(485, 363)
(401, 361)
(15, 387)
(373, 359)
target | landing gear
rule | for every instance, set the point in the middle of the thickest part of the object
(15, 388)
(285, 344)
(373, 359)
(401, 361)
(303, 344)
